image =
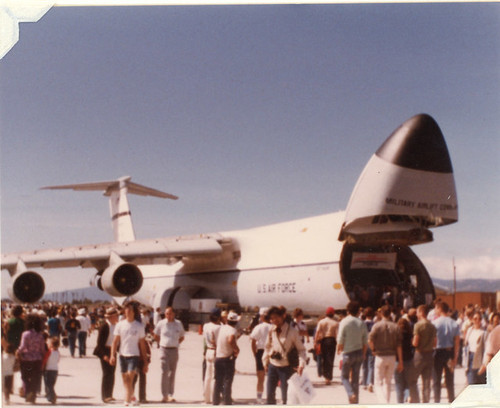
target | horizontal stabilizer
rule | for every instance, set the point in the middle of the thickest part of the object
(114, 185)
(117, 191)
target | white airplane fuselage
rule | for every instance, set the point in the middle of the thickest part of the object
(294, 264)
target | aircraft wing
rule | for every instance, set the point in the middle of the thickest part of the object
(139, 252)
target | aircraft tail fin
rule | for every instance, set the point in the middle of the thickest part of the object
(117, 191)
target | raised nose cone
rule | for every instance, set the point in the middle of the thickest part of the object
(406, 188)
(417, 144)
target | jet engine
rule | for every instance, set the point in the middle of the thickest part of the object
(122, 279)
(27, 287)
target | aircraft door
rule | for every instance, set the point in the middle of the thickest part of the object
(375, 275)
(406, 188)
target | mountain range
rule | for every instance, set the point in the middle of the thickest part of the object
(469, 285)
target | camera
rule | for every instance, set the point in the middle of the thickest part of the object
(276, 356)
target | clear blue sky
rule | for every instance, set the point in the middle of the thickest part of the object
(252, 115)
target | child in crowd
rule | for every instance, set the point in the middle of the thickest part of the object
(8, 361)
(50, 369)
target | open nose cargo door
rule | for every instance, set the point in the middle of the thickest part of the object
(406, 188)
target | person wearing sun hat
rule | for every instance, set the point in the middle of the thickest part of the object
(225, 359)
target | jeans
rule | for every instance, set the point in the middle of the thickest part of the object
(472, 376)
(441, 358)
(319, 364)
(224, 374)
(406, 380)
(274, 375)
(50, 377)
(72, 343)
(82, 342)
(351, 365)
(368, 368)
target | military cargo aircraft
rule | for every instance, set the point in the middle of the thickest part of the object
(363, 253)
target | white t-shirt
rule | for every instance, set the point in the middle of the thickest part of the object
(169, 332)
(210, 334)
(84, 323)
(473, 338)
(130, 333)
(260, 334)
(223, 348)
(53, 361)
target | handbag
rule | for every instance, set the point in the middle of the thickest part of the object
(292, 355)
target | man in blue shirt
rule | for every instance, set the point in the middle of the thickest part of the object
(54, 324)
(446, 351)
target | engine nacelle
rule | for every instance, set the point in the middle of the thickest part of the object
(27, 287)
(124, 279)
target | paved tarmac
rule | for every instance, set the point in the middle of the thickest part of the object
(79, 379)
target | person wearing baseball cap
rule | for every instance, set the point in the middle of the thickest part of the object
(326, 339)
(225, 359)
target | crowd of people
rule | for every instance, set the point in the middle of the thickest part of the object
(420, 343)
(376, 348)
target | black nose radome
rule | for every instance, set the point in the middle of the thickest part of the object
(417, 144)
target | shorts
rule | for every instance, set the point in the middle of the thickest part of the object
(129, 363)
(258, 360)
